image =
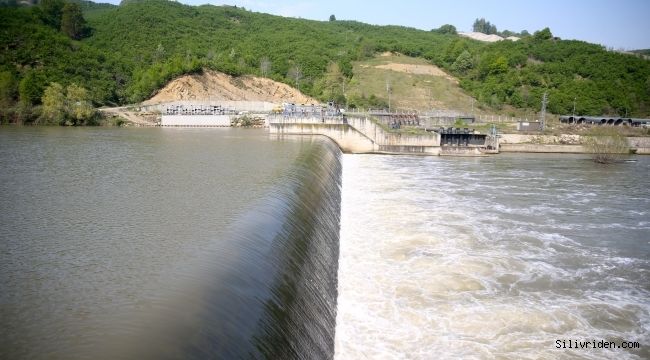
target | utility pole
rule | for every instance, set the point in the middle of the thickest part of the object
(543, 116)
(574, 106)
(388, 90)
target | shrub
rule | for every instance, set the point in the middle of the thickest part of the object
(606, 144)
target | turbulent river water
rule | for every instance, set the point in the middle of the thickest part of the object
(496, 257)
(224, 243)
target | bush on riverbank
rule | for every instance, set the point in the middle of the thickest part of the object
(606, 144)
(247, 121)
(69, 106)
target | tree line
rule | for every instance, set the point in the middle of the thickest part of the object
(124, 54)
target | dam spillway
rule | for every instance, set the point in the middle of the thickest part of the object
(175, 245)
(182, 243)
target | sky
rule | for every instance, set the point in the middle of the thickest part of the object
(617, 24)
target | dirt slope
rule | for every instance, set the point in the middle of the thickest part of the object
(416, 84)
(212, 85)
(417, 69)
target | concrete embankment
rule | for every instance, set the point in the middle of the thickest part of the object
(542, 148)
(560, 144)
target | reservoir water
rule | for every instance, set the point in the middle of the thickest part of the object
(493, 258)
(166, 243)
(224, 243)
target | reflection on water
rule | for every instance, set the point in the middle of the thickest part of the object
(166, 243)
(492, 257)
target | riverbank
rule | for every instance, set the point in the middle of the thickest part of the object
(569, 144)
(371, 138)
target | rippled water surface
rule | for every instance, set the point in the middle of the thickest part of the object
(165, 243)
(494, 257)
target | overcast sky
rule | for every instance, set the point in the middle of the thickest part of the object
(615, 23)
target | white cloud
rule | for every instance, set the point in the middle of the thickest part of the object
(282, 8)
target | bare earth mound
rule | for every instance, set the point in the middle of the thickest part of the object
(417, 70)
(484, 37)
(212, 85)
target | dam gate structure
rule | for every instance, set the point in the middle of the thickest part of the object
(360, 134)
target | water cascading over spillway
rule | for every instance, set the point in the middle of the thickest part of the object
(272, 293)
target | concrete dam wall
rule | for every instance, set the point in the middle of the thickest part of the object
(346, 137)
(359, 135)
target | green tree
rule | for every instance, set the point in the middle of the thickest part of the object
(544, 34)
(482, 26)
(332, 83)
(463, 62)
(446, 29)
(7, 89)
(78, 104)
(30, 88)
(332, 17)
(54, 104)
(73, 23)
(51, 11)
(499, 66)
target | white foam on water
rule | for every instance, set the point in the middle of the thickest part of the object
(430, 267)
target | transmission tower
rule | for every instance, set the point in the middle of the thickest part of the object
(543, 115)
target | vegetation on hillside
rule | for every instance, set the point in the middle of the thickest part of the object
(485, 27)
(410, 89)
(573, 72)
(124, 54)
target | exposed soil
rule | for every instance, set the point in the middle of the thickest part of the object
(212, 85)
(135, 117)
(418, 70)
(487, 38)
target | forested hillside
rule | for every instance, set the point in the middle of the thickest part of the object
(123, 54)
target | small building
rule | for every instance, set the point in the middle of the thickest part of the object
(529, 126)
(461, 137)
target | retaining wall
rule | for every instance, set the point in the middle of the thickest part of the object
(195, 120)
(559, 144)
(542, 148)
